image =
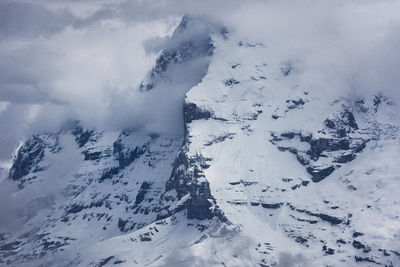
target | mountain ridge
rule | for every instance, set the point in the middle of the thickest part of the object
(248, 184)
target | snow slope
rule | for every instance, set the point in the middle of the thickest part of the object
(272, 170)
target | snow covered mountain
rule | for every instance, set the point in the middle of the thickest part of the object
(270, 171)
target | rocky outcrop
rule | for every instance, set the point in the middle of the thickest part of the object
(28, 157)
(28, 160)
(82, 136)
(125, 152)
(183, 48)
(192, 112)
(187, 178)
(338, 142)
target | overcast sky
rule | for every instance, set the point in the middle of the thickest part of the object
(67, 59)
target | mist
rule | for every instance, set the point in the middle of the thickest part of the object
(68, 60)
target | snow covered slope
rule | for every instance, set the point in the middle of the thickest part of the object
(272, 170)
(299, 170)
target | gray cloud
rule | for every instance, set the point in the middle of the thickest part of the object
(289, 260)
(26, 20)
(62, 60)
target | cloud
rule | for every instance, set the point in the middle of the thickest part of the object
(52, 74)
(8, 207)
(62, 60)
(21, 207)
(289, 260)
(343, 47)
(27, 20)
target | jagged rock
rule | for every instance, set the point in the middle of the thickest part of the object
(28, 158)
(231, 82)
(95, 156)
(340, 148)
(198, 207)
(142, 192)
(182, 48)
(109, 173)
(82, 136)
(320, 174)
(271, 206)
(127, 154)
(193, 112)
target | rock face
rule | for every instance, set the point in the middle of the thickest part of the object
(30, 156)
(190, 47)
(338, 142)
(267, 167)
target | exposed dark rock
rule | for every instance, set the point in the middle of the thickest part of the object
(295, 187)
(82, 136)
(271, 206)
(359, 245)
(231, 82)
(331, 219)
(304, 220)
(193, 112)
(385, 253)
(145, 237)
(186, 173)
(104, 261)
(220, 139)
(183, 47)
(377, 101)
(345, 158)
(238, 203)
(51, 245)
(28, 158)
(301, 240)
(198, 207)
(142, 192)
(340, 149)
(274, 116)
(95, 156)
(75, 208)
(327, 218)
(357, 234)
(330, 124)
(305, 183)
(10, 246)
(319, 174)
(244, 183)
(126, 156)
(322, 144)
(360, 259)
(108, 173)
(121, 224)
(328, 251)
(292, 104)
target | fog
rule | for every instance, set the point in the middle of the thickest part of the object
(84, 60)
